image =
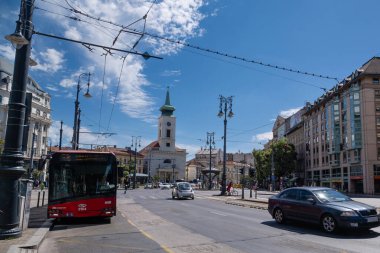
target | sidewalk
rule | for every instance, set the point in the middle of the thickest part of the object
(31, 237)
(262, 202)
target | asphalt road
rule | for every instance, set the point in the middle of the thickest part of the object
(212, 226)
(150, 221)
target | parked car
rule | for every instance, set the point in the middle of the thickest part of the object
(321, 205)
(165, 186)
(182, 190)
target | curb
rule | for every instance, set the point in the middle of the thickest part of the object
(34, 241)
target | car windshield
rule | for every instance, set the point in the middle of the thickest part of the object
(330, 196)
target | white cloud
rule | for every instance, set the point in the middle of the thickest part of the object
(177, 20)
(171, 73)
(263, 136)
(8, 52)
(191, 150)
(289, 112)
(67, 133)
(50, 61)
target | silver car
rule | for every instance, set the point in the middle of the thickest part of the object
(182, 190)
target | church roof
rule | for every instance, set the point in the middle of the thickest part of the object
(167, 109)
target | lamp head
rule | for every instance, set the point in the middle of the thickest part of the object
(17, 39)
(220, 114)
(230, 114)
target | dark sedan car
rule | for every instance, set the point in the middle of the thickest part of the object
(325, 206)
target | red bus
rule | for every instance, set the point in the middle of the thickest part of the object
(82, 184)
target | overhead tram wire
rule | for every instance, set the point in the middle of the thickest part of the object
(178, 42)
(124, 57)
(254, 69)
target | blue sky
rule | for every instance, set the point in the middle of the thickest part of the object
(323, 37)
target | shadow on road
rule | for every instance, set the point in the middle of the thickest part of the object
(65, 223)
(314, 229)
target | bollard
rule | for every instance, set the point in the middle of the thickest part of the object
(255, 194)
(38, 199)
(43, 198)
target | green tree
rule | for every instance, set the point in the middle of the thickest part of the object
(262, 159)
(284, 158)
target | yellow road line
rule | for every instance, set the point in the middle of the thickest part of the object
(164, 247)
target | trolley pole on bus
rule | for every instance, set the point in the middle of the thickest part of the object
(136, 140)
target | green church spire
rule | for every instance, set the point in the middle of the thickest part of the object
(167, 109)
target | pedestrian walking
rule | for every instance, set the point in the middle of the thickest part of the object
(229, 188)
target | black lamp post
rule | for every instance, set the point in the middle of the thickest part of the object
(11, 167)
(211, 143)
(75, 144)
(135, 141)
(224, 105)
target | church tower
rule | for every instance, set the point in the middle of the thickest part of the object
(166, 126)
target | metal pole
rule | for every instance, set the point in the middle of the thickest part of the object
(272, 172)
(150, 158)
(210, 140)
(224, 178)
(31, 154)
(11, 168)
(60, 136)
(75, 128)
(78, 127)
(134, 172)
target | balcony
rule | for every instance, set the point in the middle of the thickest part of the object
(334, 163)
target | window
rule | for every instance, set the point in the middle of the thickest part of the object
(167, 161)
(168, 133)
(375, 80)
(305, 195)
(168, 144)
(289, 194)
(1, 99)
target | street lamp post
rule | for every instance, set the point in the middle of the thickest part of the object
(11, 167)
(135, 141)
(75, 144)
(210, 142)
(224, 105)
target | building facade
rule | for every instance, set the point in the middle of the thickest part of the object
(38, 117)
(162, 157)
(342, 134)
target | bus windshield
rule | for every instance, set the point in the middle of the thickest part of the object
(75, 176)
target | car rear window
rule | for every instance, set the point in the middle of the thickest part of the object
(184, 186)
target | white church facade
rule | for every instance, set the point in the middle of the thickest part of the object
(161, 157)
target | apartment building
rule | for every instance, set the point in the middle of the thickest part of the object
(38, 117)
(342, 133)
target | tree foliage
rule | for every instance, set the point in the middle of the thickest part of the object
(284, 158)
(262, 159)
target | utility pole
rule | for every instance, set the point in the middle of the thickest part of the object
(225, 103)
(11, 166)
(136, 140)
(210, 142)
(60, 136)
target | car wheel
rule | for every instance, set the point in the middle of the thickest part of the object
(279, 216)
(329, 223)
(192, 197)
(173, 196)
